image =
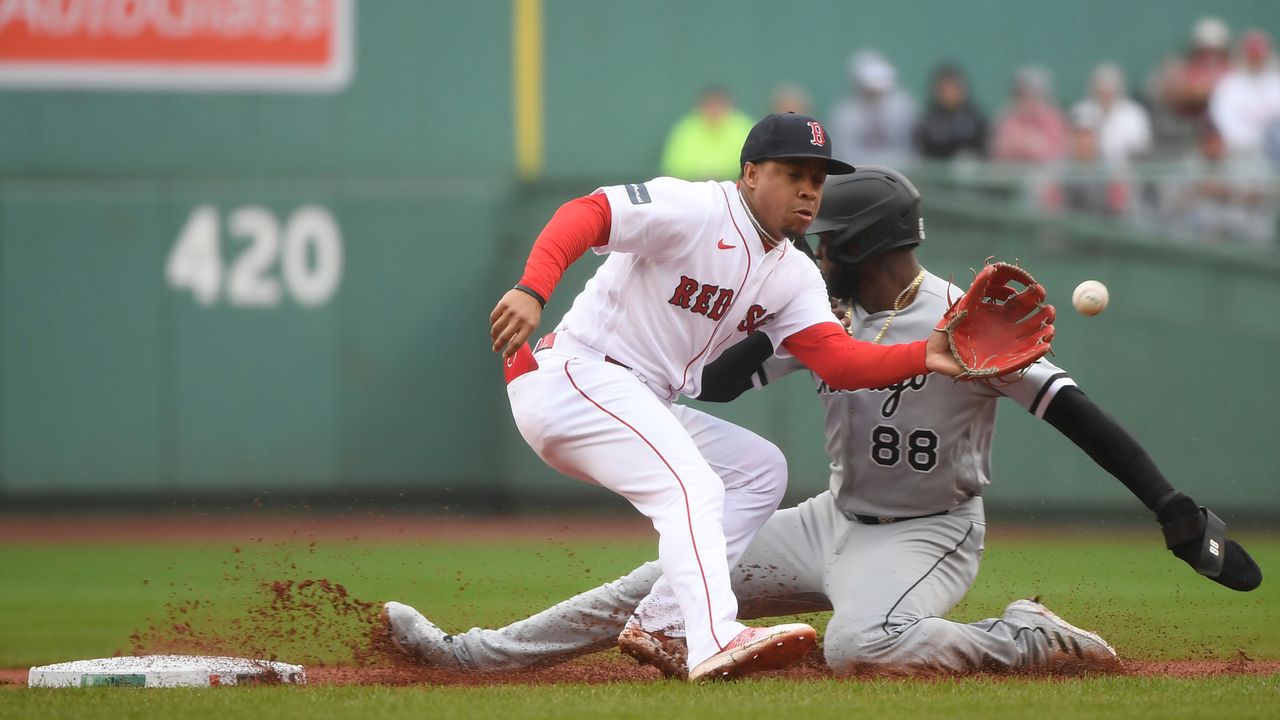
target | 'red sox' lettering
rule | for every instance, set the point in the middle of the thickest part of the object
(701, 298)
(756, 316)
(684, 292)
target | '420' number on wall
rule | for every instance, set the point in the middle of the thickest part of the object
(307, 247)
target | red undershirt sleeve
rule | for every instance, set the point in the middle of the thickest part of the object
(578, 225)
(847, 364)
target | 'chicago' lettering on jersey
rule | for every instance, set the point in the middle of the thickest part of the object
(756, 316)
(697, 297)
(895, 391)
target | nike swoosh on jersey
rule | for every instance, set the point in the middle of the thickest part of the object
(722, 246)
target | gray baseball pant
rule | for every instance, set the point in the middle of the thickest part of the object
(886, 585)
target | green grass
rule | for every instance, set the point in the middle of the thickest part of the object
(73, 601)
(66, 602)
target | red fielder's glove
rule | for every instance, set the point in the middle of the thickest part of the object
(996, 329)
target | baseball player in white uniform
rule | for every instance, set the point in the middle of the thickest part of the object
(692, 268)
(896, 541)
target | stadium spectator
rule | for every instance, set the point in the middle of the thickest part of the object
(1032, 129)
(952, 126)
(791, 98)
(1271, 144)
(1183, 85)
(874, 122)
(1217, 198)
(1247, 99)
(1089, 183)
(704, 145)
(1122, 125)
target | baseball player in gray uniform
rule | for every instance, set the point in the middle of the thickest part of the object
(896, 541)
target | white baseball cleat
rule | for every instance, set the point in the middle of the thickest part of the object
(1070, 648)
(668, 654)
(414, 635)
(757, 649)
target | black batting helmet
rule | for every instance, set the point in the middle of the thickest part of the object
(870, 211)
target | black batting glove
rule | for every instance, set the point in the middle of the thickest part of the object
(1199, 538)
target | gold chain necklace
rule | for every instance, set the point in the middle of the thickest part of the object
(908, 291)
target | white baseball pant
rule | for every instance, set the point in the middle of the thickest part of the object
(706, 484)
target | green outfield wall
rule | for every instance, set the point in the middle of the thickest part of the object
(117, 375)
(238, 293)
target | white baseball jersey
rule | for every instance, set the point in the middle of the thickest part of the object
(923, 445)
(687, 276)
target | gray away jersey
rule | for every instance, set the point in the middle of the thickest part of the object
(923, 445)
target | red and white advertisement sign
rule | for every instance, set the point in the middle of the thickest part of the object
(214, 45)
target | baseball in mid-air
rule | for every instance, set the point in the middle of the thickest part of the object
(1090, 297)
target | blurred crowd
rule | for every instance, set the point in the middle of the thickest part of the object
(1191, 151)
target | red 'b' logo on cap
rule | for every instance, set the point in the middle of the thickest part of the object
(819, 135)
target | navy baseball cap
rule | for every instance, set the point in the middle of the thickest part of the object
(788, 135)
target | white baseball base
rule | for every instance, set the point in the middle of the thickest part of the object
(165, 671)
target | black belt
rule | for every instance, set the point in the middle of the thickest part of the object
(549, 340)
(885, 519)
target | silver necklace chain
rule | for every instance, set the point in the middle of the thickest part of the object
(752, 216)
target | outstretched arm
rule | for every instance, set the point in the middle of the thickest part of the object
(1193, 533)
(847, 364)
(1104, 440)
(746, 364)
